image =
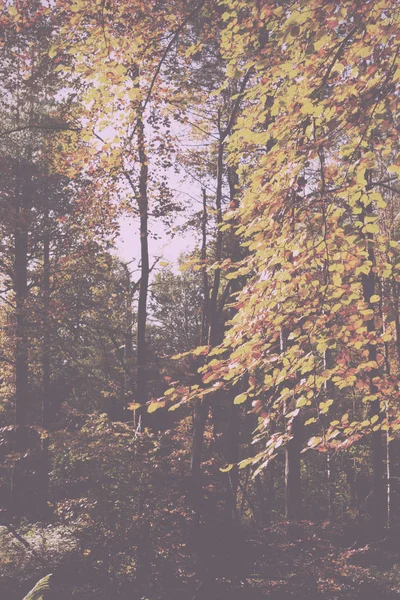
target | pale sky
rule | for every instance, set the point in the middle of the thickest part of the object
(128, 244)
(187, 192)
(164, 246)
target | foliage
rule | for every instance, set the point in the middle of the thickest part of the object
(282, 402)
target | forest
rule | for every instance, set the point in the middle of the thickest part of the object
(217, 419)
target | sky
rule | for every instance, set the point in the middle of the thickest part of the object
(162, 245)
(187, 191)
(165, 248)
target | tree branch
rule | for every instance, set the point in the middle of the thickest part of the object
(163, 57)
(54, 127)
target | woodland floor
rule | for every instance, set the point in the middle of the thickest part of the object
(318, 566)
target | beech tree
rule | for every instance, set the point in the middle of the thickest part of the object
(317, 148)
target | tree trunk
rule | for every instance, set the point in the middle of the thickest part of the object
(21, 344)
(46, 325)
(203, 256)
(121, 412)
(141, 358)
(292, 472)
(233, 430)
(201, 411)
(46, 366)
(388, 431)
(330, 480)
(214, 330)
(397, 316)
(378, 493)
(331, 488)
(232, 457)
(388, 477)
(128, 354)
(292, 458)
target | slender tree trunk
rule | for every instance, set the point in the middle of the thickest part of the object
(201, 411)
(293, 473)
(233, 430)
(397, 316)
(46, 366)
(203, 256)
(21, 363)
(388, 476)
(141, 358)
(202, 407)
(330, 479)
(127, 382)
(21, 345)
(232, 457)
(214, 329)
(111, 404)
(46, 325)
(292, 461)
(128, 354)
(378, 494)
(388, 430)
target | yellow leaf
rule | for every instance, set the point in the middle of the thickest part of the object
(153, 406)
(246, 462)
(379, 201)
(371, 228)
(301, 402)
(226, 469)
(240, 399)
(307, 107)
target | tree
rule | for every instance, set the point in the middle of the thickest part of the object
(314, 147)
(36, 195)
(175, 310)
